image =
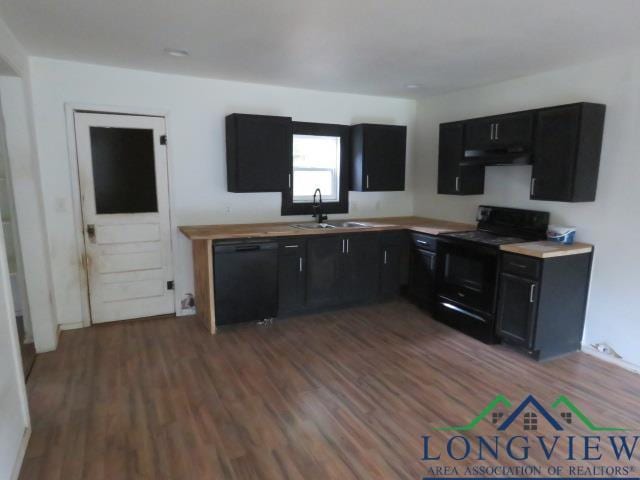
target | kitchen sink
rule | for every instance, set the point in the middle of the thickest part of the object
(312, 225)
(350, 224)
(336, 224)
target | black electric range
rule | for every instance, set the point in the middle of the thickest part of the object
(468, 266)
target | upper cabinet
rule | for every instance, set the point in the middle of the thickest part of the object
(563, 143)
(454, 178)
(568, 140)
(259, 153)
(378, 157)
(515, 129)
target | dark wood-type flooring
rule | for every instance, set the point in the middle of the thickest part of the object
(339, 395)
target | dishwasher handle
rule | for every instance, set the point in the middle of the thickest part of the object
(245, 247)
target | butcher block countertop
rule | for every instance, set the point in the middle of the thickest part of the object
(546, 249)
(265, 230)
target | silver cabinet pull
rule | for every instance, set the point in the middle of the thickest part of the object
(457, 184)
(497, 129)
(291, 246)
(492, 127)
(367, 181)
(289, 180)
(385, 257)
(533, 186)
(421, 241)
(532, 292)
(300, 264)
(347, 245)
(343, 245)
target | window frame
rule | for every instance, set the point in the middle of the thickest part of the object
(289, 207)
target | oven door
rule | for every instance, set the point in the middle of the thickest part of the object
(467, 276)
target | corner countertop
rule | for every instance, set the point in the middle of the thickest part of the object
(546, 249)
(265, 230)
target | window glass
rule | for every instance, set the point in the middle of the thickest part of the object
(124, 174)
(316, 164)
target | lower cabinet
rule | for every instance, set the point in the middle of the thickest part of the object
(292, 266)
(342, 269)
(422, 270)
(517, 309)
(394, 263)
(542, 302)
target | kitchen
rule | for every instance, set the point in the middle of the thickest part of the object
(334, 265)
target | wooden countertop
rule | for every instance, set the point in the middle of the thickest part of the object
(545, 249)
(258, 230)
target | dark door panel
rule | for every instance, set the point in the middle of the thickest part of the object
(555, 152)
(360, 268)
(516, 309)
(324, 271)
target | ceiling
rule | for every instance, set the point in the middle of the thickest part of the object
(360, 46)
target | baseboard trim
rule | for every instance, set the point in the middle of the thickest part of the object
(17, 466)
(620, 362)
(71, 326)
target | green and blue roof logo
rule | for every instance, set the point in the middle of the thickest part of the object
(534, 410)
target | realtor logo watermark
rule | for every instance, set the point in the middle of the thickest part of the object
(465, 454)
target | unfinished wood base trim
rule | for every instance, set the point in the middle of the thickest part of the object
(203, 276)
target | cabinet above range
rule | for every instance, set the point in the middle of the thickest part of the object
(563, 143)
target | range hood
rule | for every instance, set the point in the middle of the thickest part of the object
(504, 156)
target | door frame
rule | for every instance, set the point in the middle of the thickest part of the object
(70, 110)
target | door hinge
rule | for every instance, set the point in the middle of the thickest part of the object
(163, 139)
(170, 285)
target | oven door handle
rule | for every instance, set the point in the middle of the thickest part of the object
(450, 306)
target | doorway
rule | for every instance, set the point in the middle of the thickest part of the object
(124, 199)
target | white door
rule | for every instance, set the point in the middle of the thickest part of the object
(125, 209)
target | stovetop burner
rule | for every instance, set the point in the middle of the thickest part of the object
(486, 238)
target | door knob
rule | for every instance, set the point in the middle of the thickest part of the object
(91, 232)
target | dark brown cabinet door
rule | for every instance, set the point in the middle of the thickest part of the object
(325, 256)
(390, 270)
(292, 266)
(360, 268)
(422, 276)
(259, 153)
(503, 131)
(454, 179)
(378, 157)
(517, 309)
(555, 153)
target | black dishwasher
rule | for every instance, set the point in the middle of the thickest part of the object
(245, 281)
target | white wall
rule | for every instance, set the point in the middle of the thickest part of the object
(29, 214)
(14, 413)
(196, 109)
(610, 223)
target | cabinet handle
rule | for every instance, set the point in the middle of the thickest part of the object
(289, 181)
(385, 257)
(532, 292)
(300, 264)
(533, 186)
(496, 131)
(343, 245)
(367, 181)
(291, 246)
(457, 184)
(492, 127)
(519, 265)
(347, 245)
(421, 242)
(431, 262)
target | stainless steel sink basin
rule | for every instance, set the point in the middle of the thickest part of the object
(349, 224)
(336, 224)
(312, 225)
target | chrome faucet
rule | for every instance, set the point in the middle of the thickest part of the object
(317, 207)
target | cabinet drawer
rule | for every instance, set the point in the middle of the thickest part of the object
(424, 241)
(520, 265)
(290, 247)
